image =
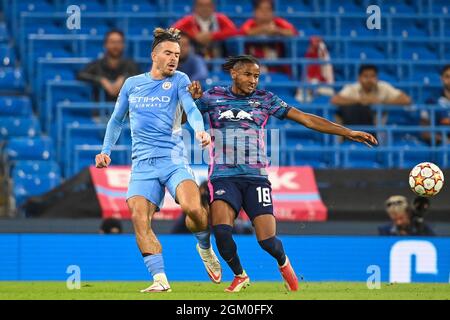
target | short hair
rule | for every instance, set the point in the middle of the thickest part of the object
(195, 2)
(232, 61)
(397, 203)
(110, 32)
(162, 35)
(444, 69)
(257, 3)
(365, 67)
(110, 223)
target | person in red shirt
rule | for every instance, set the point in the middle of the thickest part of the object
(207, 28)
(265, 23)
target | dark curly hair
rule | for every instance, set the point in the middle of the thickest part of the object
(232, 61)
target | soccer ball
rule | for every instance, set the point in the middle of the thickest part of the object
(426, 179)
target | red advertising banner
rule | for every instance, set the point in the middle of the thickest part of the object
(295, 193)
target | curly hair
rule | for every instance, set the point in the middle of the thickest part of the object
(161, 35)
(232, 61)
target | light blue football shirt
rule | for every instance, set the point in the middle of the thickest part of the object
(155, 109)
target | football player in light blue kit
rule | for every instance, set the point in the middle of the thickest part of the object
(155, 102)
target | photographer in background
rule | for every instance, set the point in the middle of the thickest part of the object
(406, 220)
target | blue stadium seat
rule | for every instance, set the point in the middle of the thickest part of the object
(35, 6)
(408, 27)
(25, 168)
(236, 7)
(319, 160)
(403, 117)
(364, 52)
(417, 52)
(11, 79)
(440, 6)
(18, 127)
(138, 6)
(56, 72)
(44, 26)
(401, 6)
(7, 56)
(32, 186)
(287, 6)
(29, 149)
(365, 158)
(413, 156)
(18, 106)
(94, 26)
(343, 7)
(91, 6)
(4, 34)
(303, 138)
(180, 7)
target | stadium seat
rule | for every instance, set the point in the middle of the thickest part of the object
(32, 186)
(440, 6)
(408, 27)
(18, 127)
(34, 6)
(417, 52)
(11, 79)
(4, 34)
(7, 56)
(301, 138)
(401, 7)
(138, 6)
(91, 6)
(319, 160)
(286, 6)
(40, 148)
(25, 168)
(412, 157)
(17, 106)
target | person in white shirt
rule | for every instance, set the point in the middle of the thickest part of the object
(354, 100)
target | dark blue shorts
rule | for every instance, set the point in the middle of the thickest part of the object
(254, 195)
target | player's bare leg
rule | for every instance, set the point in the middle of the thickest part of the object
(265, 229)
(141, 215)
(222, 218)
(188, 196)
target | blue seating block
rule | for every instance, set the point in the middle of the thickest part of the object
(18, 106)
(18, 127)
(29, 149)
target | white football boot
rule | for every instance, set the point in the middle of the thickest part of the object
(212, 264)
(160, 284)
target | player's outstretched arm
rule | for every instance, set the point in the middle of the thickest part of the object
(323, 125)
(113, 129)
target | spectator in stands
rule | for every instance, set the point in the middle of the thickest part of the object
(405, 220)
(207, 28)
(317, 73)
(111, 71)
(111, 226)
(442, 115)
(265, 23)
(354, 100)
(191, 63)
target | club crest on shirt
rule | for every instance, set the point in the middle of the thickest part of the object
(235, 115)
(167, 85)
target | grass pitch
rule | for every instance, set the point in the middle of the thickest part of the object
(208, 291)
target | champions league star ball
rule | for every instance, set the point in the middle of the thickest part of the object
(426, 179)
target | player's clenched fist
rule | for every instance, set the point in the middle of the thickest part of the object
(102, 160)
(203, 137)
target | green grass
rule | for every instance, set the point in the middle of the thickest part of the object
(208, 291)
